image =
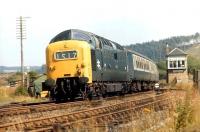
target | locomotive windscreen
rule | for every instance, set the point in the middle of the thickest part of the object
(66, 35)
(71, 35)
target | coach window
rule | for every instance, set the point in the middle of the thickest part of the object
(137, 64)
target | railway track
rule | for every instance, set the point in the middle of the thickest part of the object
(18, 109)
(100, 113)
(118, 117)
(63, 108)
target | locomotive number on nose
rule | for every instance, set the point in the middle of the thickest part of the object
(61, 55)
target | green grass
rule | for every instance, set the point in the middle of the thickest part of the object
(8, 95)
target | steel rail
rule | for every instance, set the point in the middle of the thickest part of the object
(41, 122)
(40, 107)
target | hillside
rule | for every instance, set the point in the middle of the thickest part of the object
(193, 57)
(156, 50)
(194, 51)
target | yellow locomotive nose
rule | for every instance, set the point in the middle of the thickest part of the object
(71, 58)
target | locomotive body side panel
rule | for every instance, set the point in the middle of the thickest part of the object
(114, 65)
(111, 65)
(96, 57)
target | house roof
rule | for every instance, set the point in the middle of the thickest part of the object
(177, 52)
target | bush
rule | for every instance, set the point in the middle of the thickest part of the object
(162, 68)
(14, 77)
(3, 82)
(21, 91)
(184, 111)
(193, 63)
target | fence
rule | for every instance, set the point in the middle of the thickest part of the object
(196, 78)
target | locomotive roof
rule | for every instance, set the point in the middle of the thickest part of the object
(92, 34)
(66, 35)
(134, 52)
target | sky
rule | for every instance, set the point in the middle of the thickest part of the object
(123, 21)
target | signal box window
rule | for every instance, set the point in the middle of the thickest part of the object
(172, 64)
(183, 63)
(177, 64)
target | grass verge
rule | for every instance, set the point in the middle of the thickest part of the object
(12, 94)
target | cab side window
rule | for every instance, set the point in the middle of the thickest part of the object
(98, 43)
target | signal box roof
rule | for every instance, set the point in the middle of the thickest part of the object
(177, 52)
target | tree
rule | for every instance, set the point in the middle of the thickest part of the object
(193, 63)
(15, 77)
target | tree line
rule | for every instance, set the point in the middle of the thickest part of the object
(156, 50)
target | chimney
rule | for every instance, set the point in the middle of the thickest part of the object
(167, 49)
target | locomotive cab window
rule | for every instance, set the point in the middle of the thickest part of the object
(63, 55)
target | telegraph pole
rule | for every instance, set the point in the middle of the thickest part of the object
(21, 34)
